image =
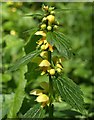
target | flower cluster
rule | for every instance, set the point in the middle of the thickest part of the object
(40, 93)
(48, 24)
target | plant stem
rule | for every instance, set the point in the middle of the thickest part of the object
(50, 90)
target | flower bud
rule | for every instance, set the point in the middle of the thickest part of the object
(44, 19)
(51, 8)
(45, 8)
(55, 26)
(51, 18)
(43, 47)
(49, 28)
(52, 12)
(52, 71)
(58, 70)
(43, 26)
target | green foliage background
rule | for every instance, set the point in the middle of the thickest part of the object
(16, 29)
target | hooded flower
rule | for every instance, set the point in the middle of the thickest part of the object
(42, 33)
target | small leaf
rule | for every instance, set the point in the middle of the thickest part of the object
(35, 112)
(24, 60)
(70, 92)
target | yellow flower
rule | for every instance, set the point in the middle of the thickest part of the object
(49, 28)
(59, 70)
(45, 8)
(43, 26)
(42, 98)
(50, 18)
(44, 63)
(43, 54)
(36, 92)
(58, 65)
(51, 71)
(42, 33)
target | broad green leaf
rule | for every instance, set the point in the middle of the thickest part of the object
(35, 112)
(60, 42)
(70, 92)
(18, 96)
(24, 60)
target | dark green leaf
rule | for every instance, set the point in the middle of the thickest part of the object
(31, 44)
(35, 112)
(60, 42)
(70, 92)
(24, 60)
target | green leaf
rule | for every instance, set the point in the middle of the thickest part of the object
(70, 92)
(61, 43)
(31, 44)
(18, 96)
(24, 60)
(35, 112)
(34, 15)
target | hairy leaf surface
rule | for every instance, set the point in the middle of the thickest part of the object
(35, 112)
(70, 92)
(24, 60)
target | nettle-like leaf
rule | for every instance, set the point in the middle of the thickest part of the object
(69, 92)
(18, 96)
(35, 112)
(61, 43)
(24, 60)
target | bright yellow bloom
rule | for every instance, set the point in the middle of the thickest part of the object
(51, 71)
(50, 18)
(43, 54)
(49, 28)
(42, 33)
(58, 70)
(42, 98)
(43, 26)
(58, 65)
(45, 8)
(44, 63)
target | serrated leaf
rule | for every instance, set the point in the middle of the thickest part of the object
(24, 60)
(70, 92)
(60, 42)
(18, 96)
(35, 112)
